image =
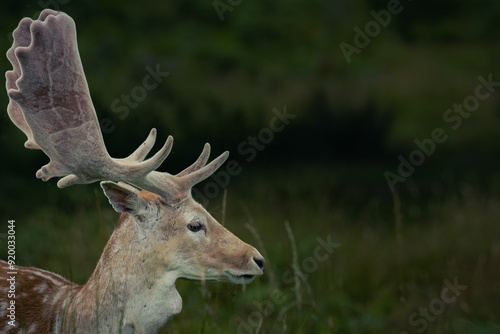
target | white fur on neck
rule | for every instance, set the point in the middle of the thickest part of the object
(153, 306)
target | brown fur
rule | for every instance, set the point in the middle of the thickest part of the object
(35, 298)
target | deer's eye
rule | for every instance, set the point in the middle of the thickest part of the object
(195, 226)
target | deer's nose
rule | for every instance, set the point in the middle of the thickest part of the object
(260, 262)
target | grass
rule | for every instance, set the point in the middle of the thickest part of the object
(394, 258)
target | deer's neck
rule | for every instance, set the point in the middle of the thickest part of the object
(127, 291)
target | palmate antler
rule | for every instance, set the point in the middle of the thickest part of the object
(50, 102)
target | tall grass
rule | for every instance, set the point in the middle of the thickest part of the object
(394, 257)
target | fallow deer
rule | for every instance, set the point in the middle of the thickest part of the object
(163, 234)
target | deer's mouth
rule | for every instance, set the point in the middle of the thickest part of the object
(239, 278)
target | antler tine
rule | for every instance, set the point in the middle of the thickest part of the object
(173, 188)
(189, 180)
(68, 180)
(142, 151)
(200, 162)
(142, 169)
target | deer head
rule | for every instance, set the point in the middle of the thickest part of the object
(184, 237)
(163, 233)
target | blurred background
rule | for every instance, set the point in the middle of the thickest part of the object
(361, 82)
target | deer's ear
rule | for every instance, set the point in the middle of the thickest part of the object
(124, 198)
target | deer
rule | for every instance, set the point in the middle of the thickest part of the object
(162, 234)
